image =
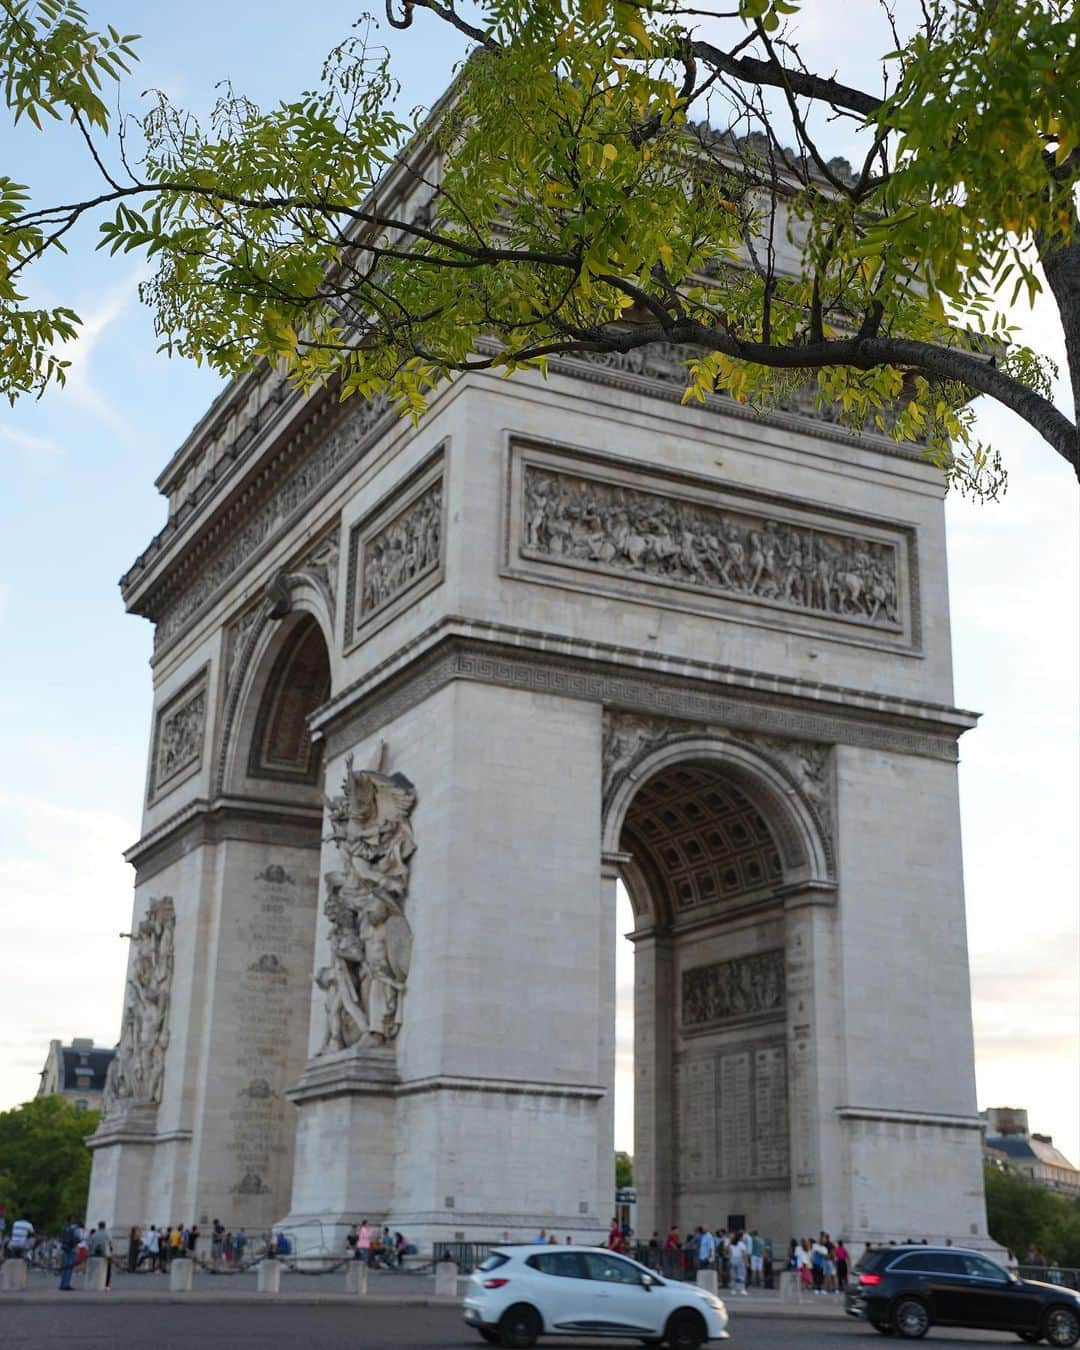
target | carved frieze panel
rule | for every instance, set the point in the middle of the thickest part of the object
(396, 553)
(178, 736)
(137, 1072)
(588, 522)
(364, 985)
(728, 991)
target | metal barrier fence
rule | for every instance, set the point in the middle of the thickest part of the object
(1067, 1276)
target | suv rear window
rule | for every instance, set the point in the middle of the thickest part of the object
(493, 1261)
(871, 1260)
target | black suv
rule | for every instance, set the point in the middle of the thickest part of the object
(909, 1289)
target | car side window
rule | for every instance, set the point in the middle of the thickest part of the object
(566, 1265)
(611, 1269)
(910, 1263)
(983, 1269)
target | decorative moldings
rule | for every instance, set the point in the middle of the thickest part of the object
(734, 990)
(345, 444)
(137, 1072)
(831, 715)
(237, 635)
(370, 938)
(710, 545)
(396, 552)
(179, 735)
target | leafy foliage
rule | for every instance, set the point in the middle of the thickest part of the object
(603, 174)
(1019, 1212)
(44, 1163)
(624, 1170)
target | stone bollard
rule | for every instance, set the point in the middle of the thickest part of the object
(13, 1275)
(707, 1280)
(181, 1275)
(97, 1267)
(789, 1285)
(269, 1276)
(356, 1277)
(445, 1279)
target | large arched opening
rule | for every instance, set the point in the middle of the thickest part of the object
(725, 865)
(269, 799)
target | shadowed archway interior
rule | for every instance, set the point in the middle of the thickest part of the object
(281, 745)
(699, 840)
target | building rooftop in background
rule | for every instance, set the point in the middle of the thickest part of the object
(1011, 1146)
(77, 1072)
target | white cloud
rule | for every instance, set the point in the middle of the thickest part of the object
(80, 387)
(65, 894)
(23, 440)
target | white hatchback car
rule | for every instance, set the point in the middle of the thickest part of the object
(520, 1293)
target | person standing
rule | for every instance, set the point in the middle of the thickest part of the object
(739, 1259)
(818, 1253)
(363, 1242)
(757, 1259)
(706, 1249)
(69, 1242)
(101, 1246)
(239, 1243)
(841, 1265)
(217, 1243)
(21, 1242)
(153, 1248)
(615, 1240)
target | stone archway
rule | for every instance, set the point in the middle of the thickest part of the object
(270, 768)
(723, 847)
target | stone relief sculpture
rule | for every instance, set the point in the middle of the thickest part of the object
(402, 551)
(180, 737)
(743, 987)
(577, 520)
(370, 938)
(137, 1072)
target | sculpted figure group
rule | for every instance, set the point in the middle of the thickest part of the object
(370, 938)
(405, 549)
(737, 988)
(622, 528)
(137, 1072)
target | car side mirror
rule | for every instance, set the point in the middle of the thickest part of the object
(646, 1281)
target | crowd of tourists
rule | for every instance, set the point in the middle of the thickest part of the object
(153, 1248)
(377, 1246)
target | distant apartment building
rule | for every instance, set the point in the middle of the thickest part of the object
(77, 1072)
(1008, 1144)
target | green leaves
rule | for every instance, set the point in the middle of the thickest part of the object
(53, 66)
(579, 190)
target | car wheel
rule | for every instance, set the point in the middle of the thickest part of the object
(911, 1319)
(1062, 1327)
(685, 1330)
(519, 1326)
(886, 1328)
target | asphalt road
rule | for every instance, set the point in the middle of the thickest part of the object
(172, 1327)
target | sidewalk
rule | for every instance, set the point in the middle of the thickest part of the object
(385, 1290)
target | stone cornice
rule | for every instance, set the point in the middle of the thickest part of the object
(209, 822)
(694, 691)
(229, 492)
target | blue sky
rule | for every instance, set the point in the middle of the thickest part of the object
(78, 504)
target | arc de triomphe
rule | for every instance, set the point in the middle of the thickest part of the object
(423, 696)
